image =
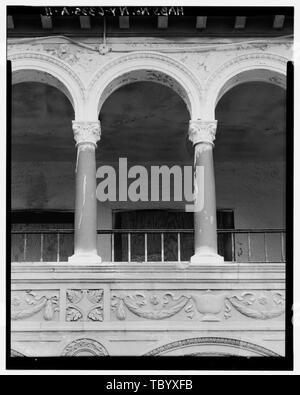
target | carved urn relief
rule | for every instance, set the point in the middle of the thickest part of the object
(209, 304)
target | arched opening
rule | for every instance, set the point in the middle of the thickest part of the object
(143, 75)
(252, 75)
(145, 122)
(43, 157)
(249, 160)
(145, 66)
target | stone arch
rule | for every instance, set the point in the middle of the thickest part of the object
(37, 67)
(145, 66)
(266, 67)
(84, 347)
(212, 346)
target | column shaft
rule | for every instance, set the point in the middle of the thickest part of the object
(86, 135)
(202, 134)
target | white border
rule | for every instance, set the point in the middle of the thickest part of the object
(278, 3)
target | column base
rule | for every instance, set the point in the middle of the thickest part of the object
(199, 259)
(84, 258)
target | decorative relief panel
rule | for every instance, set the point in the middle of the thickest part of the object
(85, 347)
(40, 305)
(260, 305)
(84, 305)
(203, 306)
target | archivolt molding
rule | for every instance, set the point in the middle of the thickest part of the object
(177, 76)
(71, 84)
(239, 64)
(209, 341)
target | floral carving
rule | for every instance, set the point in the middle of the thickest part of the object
(96, 314)
(94, 295)
(84, 305)
(34, 302)
(74, 295)
(73, 314)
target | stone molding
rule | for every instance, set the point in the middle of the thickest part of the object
(183, 77)
(87, 96)
(252, 59)
(249, 61)
(202, 131)
(84, 345)
(86, 132)
(204, 306)
(232, 343)
(72, 85)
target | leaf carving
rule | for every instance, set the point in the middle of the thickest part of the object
(73, 314)
(96, 314)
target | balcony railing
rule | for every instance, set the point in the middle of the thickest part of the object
(150, 245)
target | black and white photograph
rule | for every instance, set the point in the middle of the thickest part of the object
(149, 188)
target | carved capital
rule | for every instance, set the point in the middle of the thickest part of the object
(86, 132)
(202, 131)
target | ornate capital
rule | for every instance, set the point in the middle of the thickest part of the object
(202, 131)
(86, 132)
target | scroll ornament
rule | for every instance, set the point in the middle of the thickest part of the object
(138, 305)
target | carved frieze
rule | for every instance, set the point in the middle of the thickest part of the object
(153, 307)
(35, 305)
(84, 305)
(198, 305)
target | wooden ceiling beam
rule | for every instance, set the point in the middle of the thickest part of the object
(278, 22)
(85, 22)
(162, 22)
(124, 22)
(240, 22)
(46, 22)
(10, 22)
(201, 22)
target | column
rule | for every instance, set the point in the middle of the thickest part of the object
(202, 134)
(86, 135)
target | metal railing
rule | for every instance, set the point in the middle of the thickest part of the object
(238, 245)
